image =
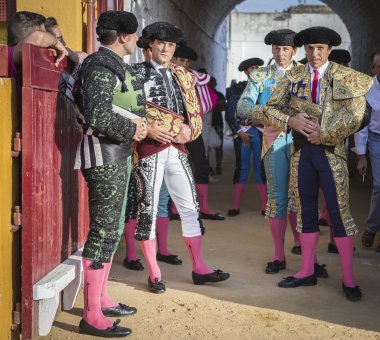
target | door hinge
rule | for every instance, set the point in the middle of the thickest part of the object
(16, 317)
(17, 219)
(16, 145)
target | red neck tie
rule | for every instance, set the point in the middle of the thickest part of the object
(315, 86)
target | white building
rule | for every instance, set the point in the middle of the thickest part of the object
(247, 32)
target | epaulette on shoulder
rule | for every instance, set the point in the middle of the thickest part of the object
(349, 83)
(260, 74)
(297, 73)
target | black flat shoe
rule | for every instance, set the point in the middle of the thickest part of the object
(262, 212)
(133, 265)
(275, 266)
(171, 259)
(323, 222)
(292, 282)
(320, 271)
(296, 250)
(175, 217)
(157, 287)
(215, 276)
(216, 217)
(233, 212)
(368, 238)
(119, 310)
(331, 248)
(352, 294)
(114, 331)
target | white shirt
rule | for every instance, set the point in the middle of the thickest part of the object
(321, 72)
(281, 70)
(158, 66)
(361, 137)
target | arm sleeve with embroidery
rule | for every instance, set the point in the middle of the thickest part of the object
(346, 121)
(98, 89)
(273, 113)
(246, 107)
(230, 113)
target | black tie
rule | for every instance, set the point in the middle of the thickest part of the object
(167, 82)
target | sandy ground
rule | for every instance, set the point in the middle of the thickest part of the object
(249, 305)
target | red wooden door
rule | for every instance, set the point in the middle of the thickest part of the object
(54, 196)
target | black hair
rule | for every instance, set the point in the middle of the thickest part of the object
(50, 23)
(373, 55)
(106, 36)
(22, 24)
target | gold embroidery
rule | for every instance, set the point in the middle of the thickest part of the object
(171, 122)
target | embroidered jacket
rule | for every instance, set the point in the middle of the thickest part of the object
(103, 80)
(339, 110)
(180, 98)
(258, 91)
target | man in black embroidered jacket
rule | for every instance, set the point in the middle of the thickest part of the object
(105, 89)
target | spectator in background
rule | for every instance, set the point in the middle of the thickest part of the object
(28, 28)
(51, 26)
(370, 136)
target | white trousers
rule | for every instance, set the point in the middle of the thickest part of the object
(173, 166)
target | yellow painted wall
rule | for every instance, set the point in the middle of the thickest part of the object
(3, 33)
(68, 14)
(8, 240)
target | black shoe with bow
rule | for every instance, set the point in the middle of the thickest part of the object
(352, 293)
(171, 259)
(292, 282)
(119, 310)
(233, 212)
(157, 287)
(320, 271)
(215, 276)
(115, 331)
(133, 265)
(216, 217)
(296, 250)
(275, 266)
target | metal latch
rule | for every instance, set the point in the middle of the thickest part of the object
(16, 219)
(16, 145)
(16, 317)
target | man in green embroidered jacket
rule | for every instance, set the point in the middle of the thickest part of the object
(109, 95)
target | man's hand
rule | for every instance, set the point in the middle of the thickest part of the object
(362, 165)
(315, 136)
(60, 52)
(245, 138)
(255, 122)
(184, 135)
(141, 129)
(157, 133)
(302, 124)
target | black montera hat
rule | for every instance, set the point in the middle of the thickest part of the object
(283, 37)
(120, 21)
(246, 64)
(318, 35)
(185, 52)
(142, 42)
(340, 56)
(164, 31)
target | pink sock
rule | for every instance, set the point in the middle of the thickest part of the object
(105, 301)
(202, 192)
(194, 245)
(162, 227)
(149, 250)
(308, 244)
(238, 194)
(277, 227)
(263, 195)
(92, 282)
(129, 235)
(345, 247)
(332, 241)
(293, 224)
